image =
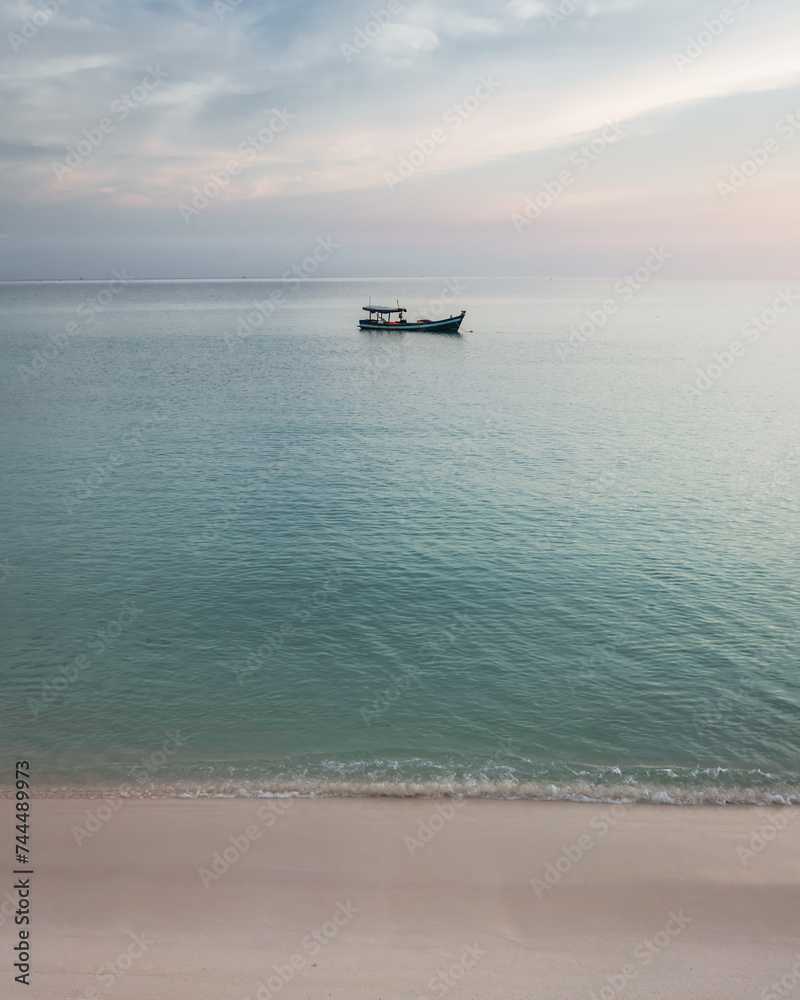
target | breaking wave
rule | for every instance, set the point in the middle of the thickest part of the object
(424, 779)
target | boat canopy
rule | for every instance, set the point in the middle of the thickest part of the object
(382, 309)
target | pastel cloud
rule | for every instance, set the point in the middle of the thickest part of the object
(353, 120)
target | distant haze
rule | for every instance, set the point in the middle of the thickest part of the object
(223, 138)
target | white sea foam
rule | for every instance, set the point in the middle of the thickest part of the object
(668, 792)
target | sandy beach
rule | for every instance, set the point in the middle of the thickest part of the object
(382, 899)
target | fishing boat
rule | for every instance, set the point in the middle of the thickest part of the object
(380, 318)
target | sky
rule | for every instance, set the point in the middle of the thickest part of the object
(225, 138)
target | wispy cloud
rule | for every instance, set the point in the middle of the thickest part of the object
(353, 119)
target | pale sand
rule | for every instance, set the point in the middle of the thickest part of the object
(137, 878)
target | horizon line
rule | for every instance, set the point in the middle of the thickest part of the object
(416, 277)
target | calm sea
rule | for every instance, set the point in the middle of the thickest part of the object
(247, 548)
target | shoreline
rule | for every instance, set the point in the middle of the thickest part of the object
(526, 780)
(785, 796)
(238, 899)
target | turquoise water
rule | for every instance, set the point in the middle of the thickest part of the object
(298, 557)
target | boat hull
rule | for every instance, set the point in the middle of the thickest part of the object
(449, 325)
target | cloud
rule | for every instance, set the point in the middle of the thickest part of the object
(527, 9)
(399, 44)
(57, 68)
(352, 120)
